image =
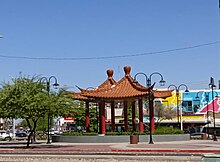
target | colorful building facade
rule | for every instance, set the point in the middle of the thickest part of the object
(194, 108)
(194, 102)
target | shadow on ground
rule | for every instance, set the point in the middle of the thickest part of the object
(23, 145)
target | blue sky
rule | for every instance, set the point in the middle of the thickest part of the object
(98, 28)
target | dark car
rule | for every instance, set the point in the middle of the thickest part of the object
(21, 136)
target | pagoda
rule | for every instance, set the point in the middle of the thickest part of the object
(125, 90)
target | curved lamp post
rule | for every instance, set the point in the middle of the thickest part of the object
(150, 97)
(55, 84)
(162, 81)
(212, 85)
(179, 115)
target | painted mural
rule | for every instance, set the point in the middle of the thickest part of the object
(194, 102)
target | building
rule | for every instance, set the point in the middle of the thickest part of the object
(194, 108)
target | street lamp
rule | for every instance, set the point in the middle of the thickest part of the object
(212, 85)
(162, 82)
(148, 79)
(150, 98)
(177, 89)
(48, 82)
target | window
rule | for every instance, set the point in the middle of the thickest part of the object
(187, 106)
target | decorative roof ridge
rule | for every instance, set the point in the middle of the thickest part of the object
(102, 86)
(79, 96)
(112, 81)
(84, 92)
(127, 77)
(81, 89)
(126, 87)
(98, 89)
(136, 85)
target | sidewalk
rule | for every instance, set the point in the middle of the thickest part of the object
(193, 147)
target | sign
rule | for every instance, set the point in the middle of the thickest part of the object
(68, 119)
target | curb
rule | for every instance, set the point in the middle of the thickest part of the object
(168, 151)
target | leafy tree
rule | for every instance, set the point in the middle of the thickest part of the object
(93, 119)
(42, 124)
(162, 113)
(80, 116)
(28, 99)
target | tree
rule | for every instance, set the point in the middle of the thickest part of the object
(28, 99)
(41, 124)
(162, 113)
(80, 115)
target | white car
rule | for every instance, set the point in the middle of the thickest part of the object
(5, 135)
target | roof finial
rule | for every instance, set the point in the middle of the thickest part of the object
(127, 70)
(110, 73)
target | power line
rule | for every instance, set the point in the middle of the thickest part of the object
(110, 57)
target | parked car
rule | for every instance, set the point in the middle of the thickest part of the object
(198, 135)
(51, 132)
(5, 135)
(21, 136)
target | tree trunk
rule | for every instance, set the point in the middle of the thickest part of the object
(31, 136)
(28, 141)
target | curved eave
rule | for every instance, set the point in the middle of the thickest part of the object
(105, 85)
(116, 97)
(162, 93)
(79, 96)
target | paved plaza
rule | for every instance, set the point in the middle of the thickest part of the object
(192, 146)
(193, 150)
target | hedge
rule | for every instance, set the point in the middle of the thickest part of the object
(158, 130)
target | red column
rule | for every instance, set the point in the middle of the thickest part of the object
(151, 107)
(126, 115)
(102, 117)
(141, 123)
(133, 116)
(113, 115)
(87, 116)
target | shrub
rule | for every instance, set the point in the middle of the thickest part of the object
(124, 133)
(168, 130)
(79, 134)
(113, 133)
(159, 130)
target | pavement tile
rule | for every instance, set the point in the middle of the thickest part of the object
(193, 146)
